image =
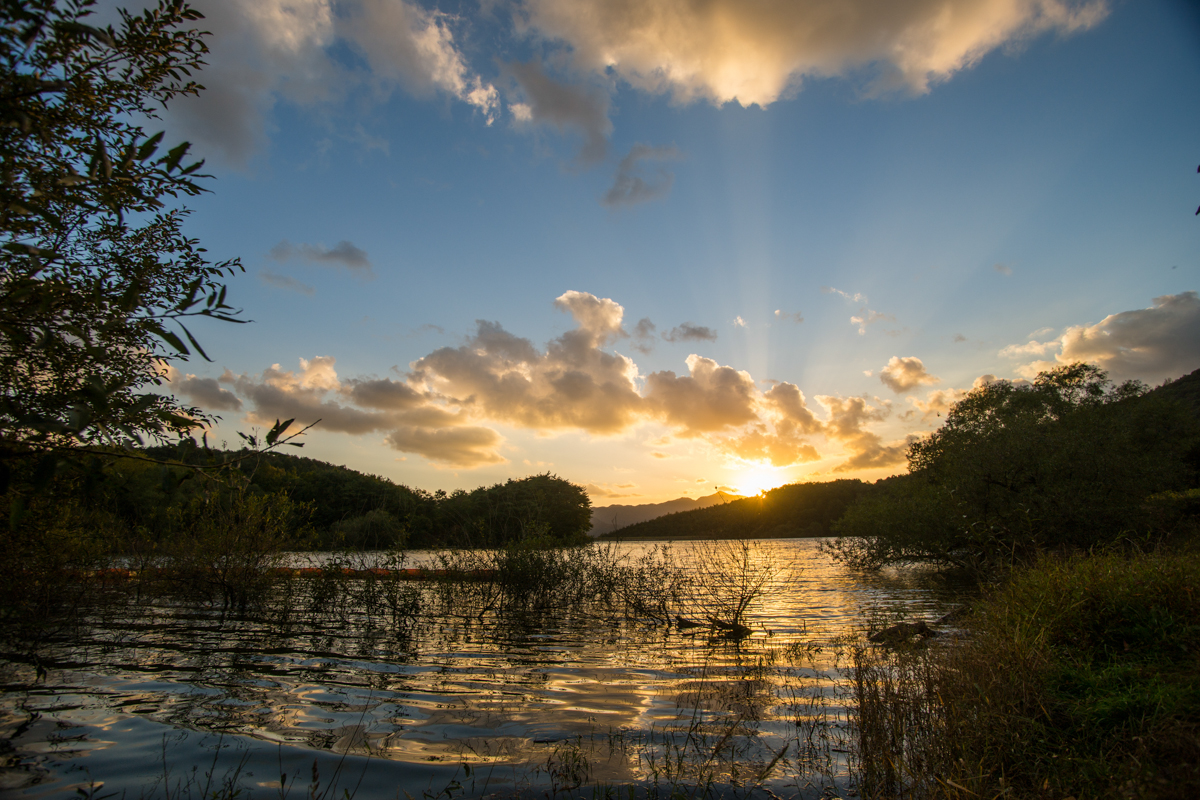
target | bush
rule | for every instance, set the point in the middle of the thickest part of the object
(1080, 678)
(1065, 463)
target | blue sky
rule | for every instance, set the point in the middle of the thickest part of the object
(711, 244)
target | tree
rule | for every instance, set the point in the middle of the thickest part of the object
(96, 275)
(1066, 462)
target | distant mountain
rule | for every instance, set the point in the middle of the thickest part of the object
(798, 509)
(609, 518)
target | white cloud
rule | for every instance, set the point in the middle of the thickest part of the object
(734, 51)
(739, 322)
(415, 46)
(856, 297)
(267, 50)
(1150, 344)
(866, 318)
(1002, 269)
(789, 316)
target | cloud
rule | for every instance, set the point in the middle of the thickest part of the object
(866, 317)
(457, 447)
(739, 322)
(643, 335)
(958, 337)
(1150, 344)
(754, 53)
(204, 392)
(789, 316)
(270, 50)
(709, 398)
(409, 420)
(415, 47)
(285, 282)
(902, 374)
(856, 297)
(631, 186)
(449, 403)
(344, 255)
(565, 106)
(687, 332)
(1030, 348)
(848, 418)
(938, 402)
(1002, 269)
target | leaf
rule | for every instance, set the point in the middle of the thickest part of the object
(175, 154)
(174, 341)
(195, 344)
(86, 30)
(278, 430)
(147, 149)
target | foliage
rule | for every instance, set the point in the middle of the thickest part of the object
(222, 546)
(509, 512)
(798, 509)
(1067, 462)
(1079, 679)
(93, 264)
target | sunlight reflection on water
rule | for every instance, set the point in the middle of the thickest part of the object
(142, 697)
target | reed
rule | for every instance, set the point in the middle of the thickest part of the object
(1078, 678)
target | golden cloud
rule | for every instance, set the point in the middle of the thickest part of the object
(902, 374)
(754, 53)
(447, 406)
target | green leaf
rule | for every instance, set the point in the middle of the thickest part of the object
(174, 341)
(147, 149)
(175, 154)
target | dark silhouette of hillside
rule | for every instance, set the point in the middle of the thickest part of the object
(611, 518)
(798, 509)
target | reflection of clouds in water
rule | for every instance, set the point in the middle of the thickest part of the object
(447, 686)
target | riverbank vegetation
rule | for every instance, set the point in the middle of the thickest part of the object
(1079, 678)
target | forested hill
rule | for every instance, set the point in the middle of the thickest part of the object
(799, 509)
(1185, 390)
(343, 507)
(610, 518)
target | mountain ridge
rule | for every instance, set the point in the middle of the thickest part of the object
(606, 519)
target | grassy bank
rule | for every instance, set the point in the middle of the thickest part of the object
(1079, 678)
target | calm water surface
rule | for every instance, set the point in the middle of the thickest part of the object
(179, 698)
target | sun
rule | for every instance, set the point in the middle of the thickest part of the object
(758, 478)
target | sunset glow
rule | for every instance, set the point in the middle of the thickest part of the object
(658, 252)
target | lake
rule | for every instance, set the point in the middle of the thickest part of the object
(442, 690)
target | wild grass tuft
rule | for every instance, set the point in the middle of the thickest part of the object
(1080, 677)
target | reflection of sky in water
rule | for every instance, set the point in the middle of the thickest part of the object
(450, 689)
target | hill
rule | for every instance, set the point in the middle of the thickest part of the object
(609, 518)
(1184, 390)
(798, 509)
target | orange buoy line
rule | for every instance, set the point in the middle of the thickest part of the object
(410, 574)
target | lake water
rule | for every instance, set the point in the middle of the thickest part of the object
(452, 700)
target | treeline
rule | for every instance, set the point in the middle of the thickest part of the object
(336, 507)
(796, 510)
(1068, 461)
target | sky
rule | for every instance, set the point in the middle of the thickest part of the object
(658, 247)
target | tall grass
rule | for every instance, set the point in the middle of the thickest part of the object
(1079, 678)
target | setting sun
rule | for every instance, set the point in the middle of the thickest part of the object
(759, 478)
